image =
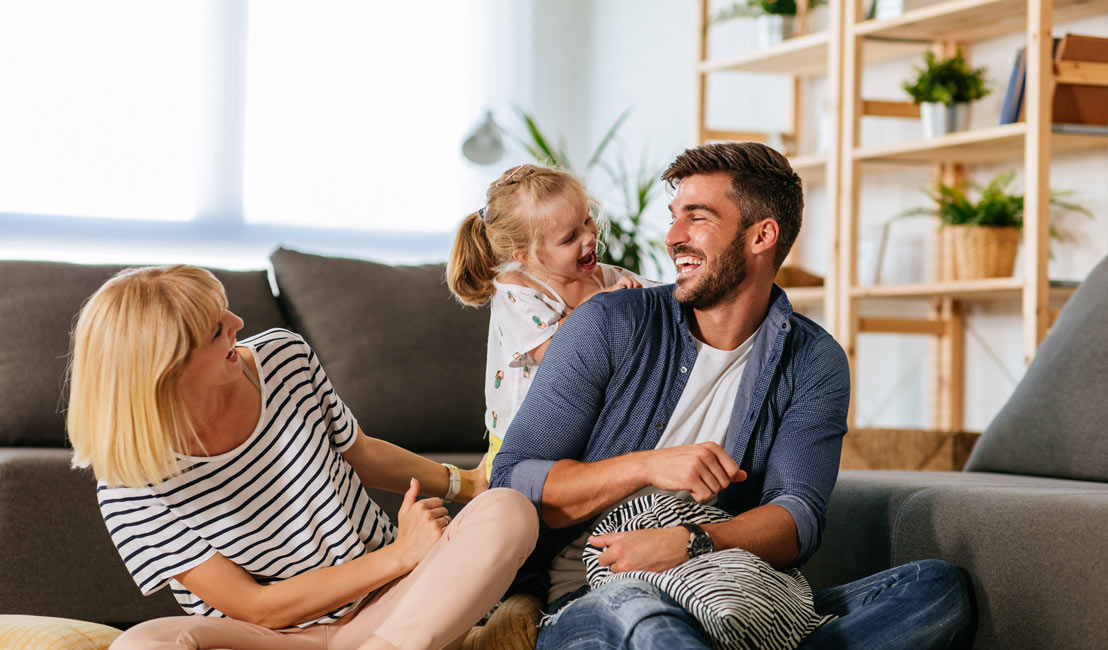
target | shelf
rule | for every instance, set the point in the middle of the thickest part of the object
(811, 168)
(801, 56)
(805, 296)
(991, 144)
(985, 289)
(969, 20)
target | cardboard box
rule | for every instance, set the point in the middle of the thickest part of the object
(917, 449)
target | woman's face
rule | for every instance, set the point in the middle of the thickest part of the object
(215, 362)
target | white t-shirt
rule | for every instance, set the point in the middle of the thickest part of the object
(283, 502)
(701, 415)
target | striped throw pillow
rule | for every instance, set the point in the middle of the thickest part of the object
(740, 601)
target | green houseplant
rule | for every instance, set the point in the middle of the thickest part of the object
(983, 236)
(943, 88)
(624, 237)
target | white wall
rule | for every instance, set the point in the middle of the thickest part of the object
(641, 53)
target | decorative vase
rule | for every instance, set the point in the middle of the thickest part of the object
(771, 29)
(983, 251)
(939, 119)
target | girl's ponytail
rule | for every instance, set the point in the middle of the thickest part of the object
(473, 265)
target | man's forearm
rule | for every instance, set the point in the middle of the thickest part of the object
(575, 491)
(767, 531)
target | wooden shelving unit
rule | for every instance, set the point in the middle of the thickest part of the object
(805, 55)
(945, 27)
(842, 54)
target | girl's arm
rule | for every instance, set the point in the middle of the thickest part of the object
(385, 466)
(229, 588)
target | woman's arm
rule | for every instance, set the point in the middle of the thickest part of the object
(229, 588)
(385, 466)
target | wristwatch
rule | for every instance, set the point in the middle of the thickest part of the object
(700, 542)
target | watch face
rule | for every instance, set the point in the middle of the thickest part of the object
(700, 544)
(699, 541)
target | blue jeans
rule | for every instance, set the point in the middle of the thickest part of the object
(917, 606)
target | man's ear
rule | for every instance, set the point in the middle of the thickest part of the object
(765, 236)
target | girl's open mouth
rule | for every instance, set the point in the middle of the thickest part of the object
(588, 262)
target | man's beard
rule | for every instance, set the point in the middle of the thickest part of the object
(725, 275)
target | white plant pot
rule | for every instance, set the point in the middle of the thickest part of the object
(940, 119)
(771, 29)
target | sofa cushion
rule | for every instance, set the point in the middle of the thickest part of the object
(403, 355)
(41, 301)
(1056, 421)
(1033, 554)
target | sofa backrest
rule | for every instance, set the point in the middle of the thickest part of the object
(406, 358)
(39, 302)
(1056, 422)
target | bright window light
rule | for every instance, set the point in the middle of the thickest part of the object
(355, 112)
(100, 115)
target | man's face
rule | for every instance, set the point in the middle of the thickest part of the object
(706, 241)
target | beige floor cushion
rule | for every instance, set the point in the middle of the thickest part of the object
(19, 632)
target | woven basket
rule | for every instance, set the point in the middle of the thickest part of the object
(979, 251)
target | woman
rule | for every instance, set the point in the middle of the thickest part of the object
(233, 473)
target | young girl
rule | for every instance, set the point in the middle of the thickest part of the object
(531, 251)
(232, 473)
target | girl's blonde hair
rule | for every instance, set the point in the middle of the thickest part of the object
(487, 238)
(126, 417)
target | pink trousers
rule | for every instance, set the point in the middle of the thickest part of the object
(461, 578)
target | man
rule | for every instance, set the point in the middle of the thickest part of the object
(715, 390)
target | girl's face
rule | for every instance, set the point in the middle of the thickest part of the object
(214, 362)
(568, 249)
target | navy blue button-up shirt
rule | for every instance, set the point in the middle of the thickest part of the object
(609, 382)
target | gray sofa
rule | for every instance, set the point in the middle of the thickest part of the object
(405, 357)
(1022, 519)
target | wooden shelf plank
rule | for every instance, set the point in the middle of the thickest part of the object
(812, 168)
(991, 144)
(989, 288)
(804, 296)
(970, 20)
(801, 56)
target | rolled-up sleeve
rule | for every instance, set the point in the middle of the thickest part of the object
(804, 462)
(561, 408)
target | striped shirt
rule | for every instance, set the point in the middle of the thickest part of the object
(282, 503)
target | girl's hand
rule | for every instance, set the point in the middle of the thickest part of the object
(625, 282)
(420, 525)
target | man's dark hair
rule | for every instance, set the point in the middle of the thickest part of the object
(763, 184)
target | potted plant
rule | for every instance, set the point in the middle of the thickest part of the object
(982, 236)
(943, 88)
(775, 20)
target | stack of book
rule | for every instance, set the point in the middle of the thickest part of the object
(1076, 108)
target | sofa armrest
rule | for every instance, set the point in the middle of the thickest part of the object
(56, 558)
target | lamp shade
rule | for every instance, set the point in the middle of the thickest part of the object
(484, 145)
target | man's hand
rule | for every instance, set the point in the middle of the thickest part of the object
(704, 470)
(655, 549)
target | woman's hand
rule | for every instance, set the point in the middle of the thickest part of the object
(420, 525)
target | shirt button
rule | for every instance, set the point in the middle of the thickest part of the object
(659, 425)
(684, 370)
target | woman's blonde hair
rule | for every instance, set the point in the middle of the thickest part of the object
(487, 238)
(126, 417)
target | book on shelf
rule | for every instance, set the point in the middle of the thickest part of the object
(1074, 107)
